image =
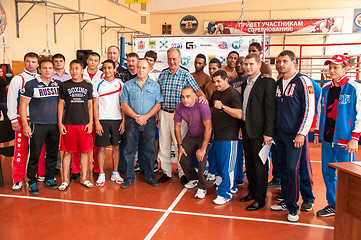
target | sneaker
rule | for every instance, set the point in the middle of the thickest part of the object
(41, 179)
(17, 186)
(33, 189)
(184, 180)
(279, 207)
(211, 177)
(156, 169)
(221, 200)
(74, 177)
(239, 183)
(137, 167)
(306, 206)
(101, 180)
(218, 181)
(279, 197)
(274, 184)
(116, 178)
(50, 184)
(234, 190)
(326, 211)
(191, 184)
(293, 216)
(201, 193)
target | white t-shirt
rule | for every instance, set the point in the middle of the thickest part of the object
(109, 94)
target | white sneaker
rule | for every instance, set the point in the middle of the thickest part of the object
(218, 181)
(293, 216)
(191, 184)
(234, 191)
(221, 200)
(41, 179)
(116, 178)
(279, 207)
(211, 177)
(17, 186)
(101, 180)
(201, 193)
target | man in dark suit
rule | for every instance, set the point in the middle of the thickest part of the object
(259, 111)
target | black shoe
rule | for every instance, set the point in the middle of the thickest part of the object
(274, 184)
(74, 177)
(126, 184)
(137, 167)
(176, 172)
(306, 206)
(247, 198)
(184, 180)
(33, 189)
(50, 184)
(95, 174)
(164, 178)
(254, 206)
(279, 197)
(239, 183)
(153, 182)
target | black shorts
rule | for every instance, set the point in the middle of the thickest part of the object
(111, 135)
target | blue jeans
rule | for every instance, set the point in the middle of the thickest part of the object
(134, 135)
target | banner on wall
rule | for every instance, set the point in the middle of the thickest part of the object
(211, 47)
(325, 25)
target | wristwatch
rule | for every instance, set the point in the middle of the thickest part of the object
(223, 107)
(179, 145)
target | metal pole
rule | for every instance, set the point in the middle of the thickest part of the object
(17, 19)
(80, 30)
(264, 45)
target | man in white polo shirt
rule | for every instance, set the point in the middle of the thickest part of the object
(108, 119)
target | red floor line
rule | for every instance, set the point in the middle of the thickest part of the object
(165, 215)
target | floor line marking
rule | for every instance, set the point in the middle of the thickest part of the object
(84, 203)
(252, 219)
(316, 161)
(166, 212)
(165, 215)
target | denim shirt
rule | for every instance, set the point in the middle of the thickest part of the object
(141, 100)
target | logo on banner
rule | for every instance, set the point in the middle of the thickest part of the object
(152, 44)
(223, 45)
(210, 57)
(141, 45)
(223, 61)
(188, 24)
(163, 44)
(237, 44)
(185, 60)
(190, 45)
(177, 45)
(206, 45)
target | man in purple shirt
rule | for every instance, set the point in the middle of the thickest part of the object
(59, 68)
(196, 142)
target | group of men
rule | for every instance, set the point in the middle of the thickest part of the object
(216, 118)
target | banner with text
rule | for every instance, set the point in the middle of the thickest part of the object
(326, 25)
(211, 47)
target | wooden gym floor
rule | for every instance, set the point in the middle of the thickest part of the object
(144, 212)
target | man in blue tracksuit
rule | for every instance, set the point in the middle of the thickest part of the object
(294, 116)
(338, 125)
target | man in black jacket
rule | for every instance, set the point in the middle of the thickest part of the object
(259, 111)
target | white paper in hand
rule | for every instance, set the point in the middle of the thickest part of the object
(264, 153)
